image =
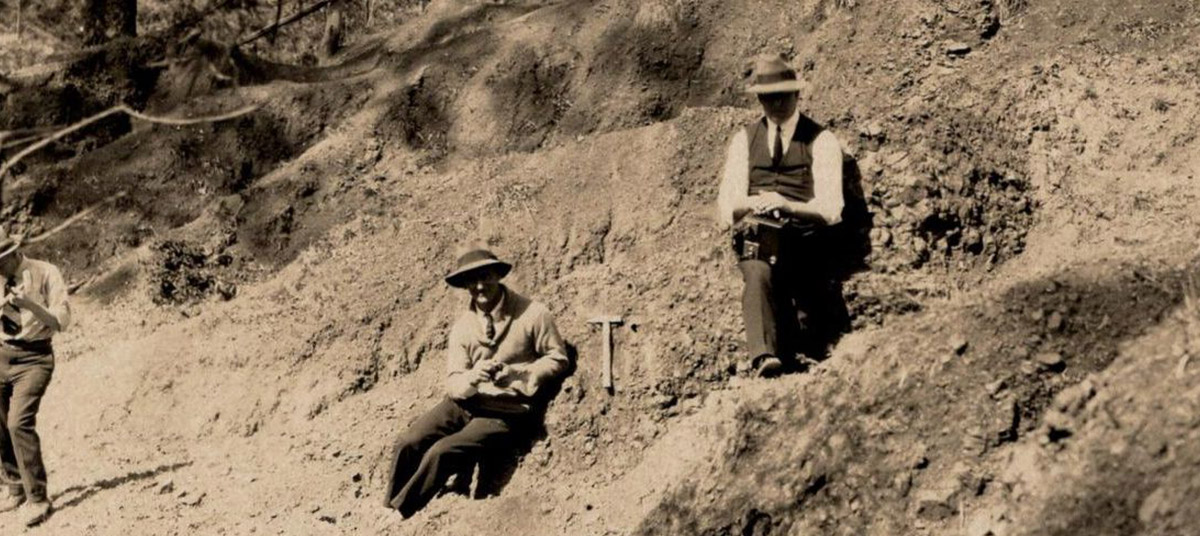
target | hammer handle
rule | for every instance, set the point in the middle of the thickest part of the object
(608, 348)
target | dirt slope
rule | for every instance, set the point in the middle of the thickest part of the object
(1031, 170)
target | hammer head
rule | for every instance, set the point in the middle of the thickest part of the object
(614, 320)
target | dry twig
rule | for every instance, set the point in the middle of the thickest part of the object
(275, 27)
(1191, 323)
(20, 18)
(120, 108)
(6, 143)
(26, 131)
(65, 223)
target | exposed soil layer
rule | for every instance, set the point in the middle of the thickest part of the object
(917, 440)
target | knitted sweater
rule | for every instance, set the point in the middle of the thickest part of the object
(525, 339)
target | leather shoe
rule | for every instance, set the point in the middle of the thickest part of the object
(12, 502)
(34, 513)
(769, 366)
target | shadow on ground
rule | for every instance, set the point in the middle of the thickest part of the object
(81, 493)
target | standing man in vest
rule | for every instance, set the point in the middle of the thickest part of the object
(503, 350)
(782, 184)
(34, 309)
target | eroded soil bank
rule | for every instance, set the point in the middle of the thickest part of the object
(263, 312)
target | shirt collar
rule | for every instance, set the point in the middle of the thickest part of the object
(789, 125)
(498, 311)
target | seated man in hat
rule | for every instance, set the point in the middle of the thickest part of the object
(502, 350)
(782, 184)
(33, 309)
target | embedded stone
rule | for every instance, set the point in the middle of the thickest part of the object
(1055, 322)
(959, 344)
(958, 48)
(1052, 361)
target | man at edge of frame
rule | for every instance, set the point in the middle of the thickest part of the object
(33, 309)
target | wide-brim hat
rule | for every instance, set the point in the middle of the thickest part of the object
(473, 261)
(772, 74)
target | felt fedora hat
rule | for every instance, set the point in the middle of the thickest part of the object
(475, 260)
(772, 74)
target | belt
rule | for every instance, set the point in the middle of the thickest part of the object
(41, 346)
(503, 407)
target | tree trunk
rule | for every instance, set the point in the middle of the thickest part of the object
(127, 17)
(278, 17)
(20, 17)
(335, 27)
(108, 19)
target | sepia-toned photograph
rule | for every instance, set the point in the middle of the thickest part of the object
(600, 267)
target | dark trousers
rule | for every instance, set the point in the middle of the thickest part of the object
(446, 440)
(787, 310)
(24, 376)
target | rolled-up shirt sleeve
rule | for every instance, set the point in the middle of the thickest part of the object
(827, 199)
(55, 291)
(735, 179)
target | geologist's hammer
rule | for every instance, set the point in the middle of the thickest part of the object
(609, 321)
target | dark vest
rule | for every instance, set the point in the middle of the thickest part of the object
(793, 177)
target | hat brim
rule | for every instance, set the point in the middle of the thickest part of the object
(8, 247)
(459, 277)
(783, 86)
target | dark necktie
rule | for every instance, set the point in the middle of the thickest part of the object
(777, 156)
(490, 328)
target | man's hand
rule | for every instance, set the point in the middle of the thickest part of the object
(768, 202)
(19, 300)
(16, 297)
(476, 377)
(532, 385)
(487, 370)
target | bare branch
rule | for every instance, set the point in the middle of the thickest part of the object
(5, 143)
(65, 223)
(189, 120)
(293, 18)
(27, 131)
(120, 108)
(20, 18)
(54, 137)
(278, 17)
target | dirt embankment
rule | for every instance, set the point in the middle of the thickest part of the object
(298, 252)
(1013, 426)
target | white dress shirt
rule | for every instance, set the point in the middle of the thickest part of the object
(43, 283)
(826, 170)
